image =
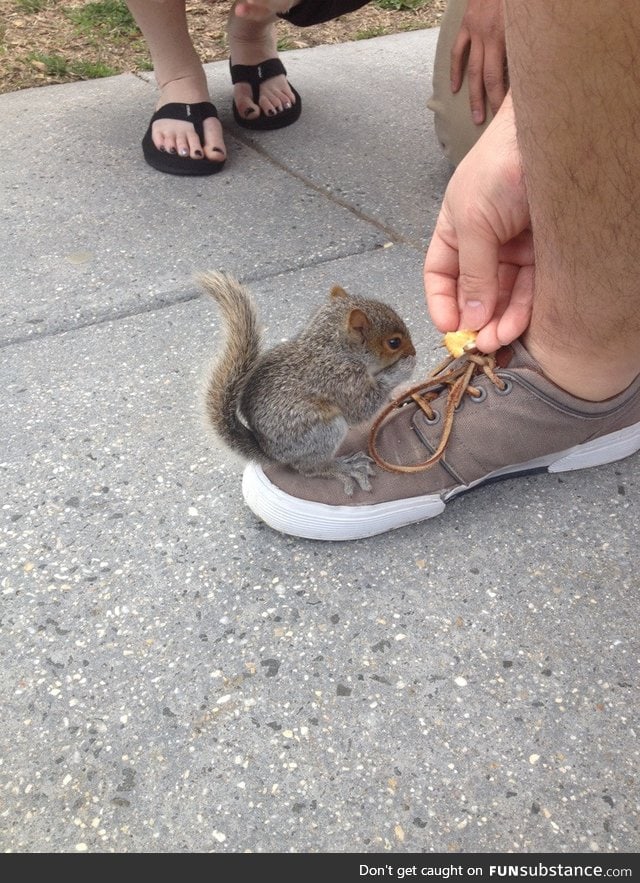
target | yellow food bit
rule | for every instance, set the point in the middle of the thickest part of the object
(459, 342)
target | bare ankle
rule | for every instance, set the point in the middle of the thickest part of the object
(587, 372)
(185, 88)
(250, 31)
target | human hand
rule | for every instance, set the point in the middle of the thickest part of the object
(479, 267)
(261, 9)
(481, 44)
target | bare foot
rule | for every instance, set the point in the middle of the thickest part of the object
(176, 136)
(252, 42)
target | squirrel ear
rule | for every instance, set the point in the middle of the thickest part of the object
(337, 291)
(358, 324)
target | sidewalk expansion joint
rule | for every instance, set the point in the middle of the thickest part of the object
(185, 294)
(393, 235)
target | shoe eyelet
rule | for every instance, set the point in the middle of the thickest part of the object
(481, 397)
(508, 386)
(432, 420)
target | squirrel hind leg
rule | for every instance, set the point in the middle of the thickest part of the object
(359, 467)
(354, 468)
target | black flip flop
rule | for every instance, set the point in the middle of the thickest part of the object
(172, 163)
(254, 75)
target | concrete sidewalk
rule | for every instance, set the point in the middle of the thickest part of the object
(177, 676)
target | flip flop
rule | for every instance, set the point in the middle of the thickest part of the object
(254, 75)
(172, 163)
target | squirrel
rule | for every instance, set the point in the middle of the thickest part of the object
(293, 404)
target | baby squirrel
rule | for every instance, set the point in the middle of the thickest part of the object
(293, 404)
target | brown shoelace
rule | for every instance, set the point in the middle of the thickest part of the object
(458, 379)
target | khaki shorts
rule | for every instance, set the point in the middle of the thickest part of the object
(452, 116)
(454, 127)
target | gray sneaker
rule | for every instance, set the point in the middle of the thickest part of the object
(510, 420)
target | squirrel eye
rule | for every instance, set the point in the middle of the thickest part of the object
(394, 342)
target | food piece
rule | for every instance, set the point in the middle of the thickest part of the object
(459, 342)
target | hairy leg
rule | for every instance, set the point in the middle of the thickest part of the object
(179, 75)
(576, 91)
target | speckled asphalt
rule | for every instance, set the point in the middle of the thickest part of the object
(177, 676)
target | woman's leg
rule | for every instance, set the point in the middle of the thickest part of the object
(180, 78)
(252, 40)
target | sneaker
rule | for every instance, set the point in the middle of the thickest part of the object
(503, 418)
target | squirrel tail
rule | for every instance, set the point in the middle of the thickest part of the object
(240, 353)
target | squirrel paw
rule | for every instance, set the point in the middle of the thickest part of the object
(349, 469)
(397, 373)
(356, 467)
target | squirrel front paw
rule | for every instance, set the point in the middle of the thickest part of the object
(397, 373)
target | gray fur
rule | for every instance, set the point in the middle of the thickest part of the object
(293, 404)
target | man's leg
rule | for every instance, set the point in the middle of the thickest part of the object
(576, 104)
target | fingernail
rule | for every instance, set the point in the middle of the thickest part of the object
(477, 116)
(473, 315)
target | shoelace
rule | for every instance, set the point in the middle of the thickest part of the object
(458, 380)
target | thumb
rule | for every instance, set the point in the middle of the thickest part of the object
(478, 283)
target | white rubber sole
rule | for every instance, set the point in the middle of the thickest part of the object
(320, 521)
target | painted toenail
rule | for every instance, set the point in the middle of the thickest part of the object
(217, 150)
(172, 150)
(183, 151)
(197, 153)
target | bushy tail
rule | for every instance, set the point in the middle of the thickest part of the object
(240, 351)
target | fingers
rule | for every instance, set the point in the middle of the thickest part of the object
(483, 226)
(258, 10)
(513, 312)
(252, 11)
(475, 73)
(458, 59)
(494, 76)
(441, 284)
(478, 284)
(461, 275)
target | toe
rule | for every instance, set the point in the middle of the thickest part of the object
(276, 95)
(269, 106)
(195, 147)
(165, 136)
(159, 137)
(214, 148)
(244, 102)
(182, 145)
